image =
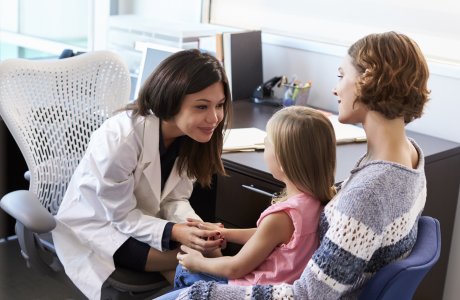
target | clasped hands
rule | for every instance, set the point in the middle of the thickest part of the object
(201, 239)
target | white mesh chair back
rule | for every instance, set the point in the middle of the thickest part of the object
(51, 108)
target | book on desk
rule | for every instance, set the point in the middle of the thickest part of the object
(252, 139)
(347, 133)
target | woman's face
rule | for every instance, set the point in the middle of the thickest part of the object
(200, 113)
(349, 110)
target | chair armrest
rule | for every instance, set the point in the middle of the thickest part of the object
(27, 175)
(26, 209)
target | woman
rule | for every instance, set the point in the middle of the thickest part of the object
(127, 202)
(372, 221)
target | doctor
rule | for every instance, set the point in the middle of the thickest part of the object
(127, 202)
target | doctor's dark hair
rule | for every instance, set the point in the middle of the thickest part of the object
(393, 75)
(304, 144)
(182, 73)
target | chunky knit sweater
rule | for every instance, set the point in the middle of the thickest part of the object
(371, 222)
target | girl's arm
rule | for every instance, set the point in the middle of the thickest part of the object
(273, 230)
(233, 235)
(237, 235)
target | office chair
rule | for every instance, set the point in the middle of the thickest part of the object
(400, 279)
(51, 107)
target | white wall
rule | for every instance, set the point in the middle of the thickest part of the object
(435, 24)
(184, 10)
(441, 117)
(64, 19)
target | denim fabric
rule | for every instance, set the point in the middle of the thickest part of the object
(171, 295)
(184, 277)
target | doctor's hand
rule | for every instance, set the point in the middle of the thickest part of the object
(196, 238)
(205, 225)
(216, 227)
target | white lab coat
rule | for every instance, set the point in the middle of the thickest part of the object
(115, 193)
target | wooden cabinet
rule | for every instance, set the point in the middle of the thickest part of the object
(242, 198)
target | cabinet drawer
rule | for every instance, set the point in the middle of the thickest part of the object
(240, 198)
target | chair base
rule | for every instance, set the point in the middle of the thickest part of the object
(129, 284)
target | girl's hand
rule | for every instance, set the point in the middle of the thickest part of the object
(199, 239)
(189, 258)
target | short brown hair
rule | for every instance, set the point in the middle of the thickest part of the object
(305, 147)
(394, 75)
(187, 72)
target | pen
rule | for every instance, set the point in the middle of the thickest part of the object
(252, 188)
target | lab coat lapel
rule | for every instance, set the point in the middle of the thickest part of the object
(172, 181)
(151, 154)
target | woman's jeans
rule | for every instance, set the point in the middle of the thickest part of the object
(186, 278)
(171, 295)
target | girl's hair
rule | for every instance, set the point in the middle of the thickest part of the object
(304, 144)
(187, 72)
(393, 75)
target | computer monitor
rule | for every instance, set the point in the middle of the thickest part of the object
(152, 56)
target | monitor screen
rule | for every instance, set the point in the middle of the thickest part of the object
(153, 55)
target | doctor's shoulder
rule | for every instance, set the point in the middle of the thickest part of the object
(121, 126)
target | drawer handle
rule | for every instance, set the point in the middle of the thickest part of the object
(252, 188)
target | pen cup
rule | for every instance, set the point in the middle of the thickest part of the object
(295, 94)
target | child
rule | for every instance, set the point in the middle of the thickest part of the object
(299, 151)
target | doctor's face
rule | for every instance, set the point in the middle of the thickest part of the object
(201, 112)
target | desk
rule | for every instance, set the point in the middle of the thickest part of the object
(240, 207)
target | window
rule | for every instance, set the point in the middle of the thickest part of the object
(30, 28)
(43, 28)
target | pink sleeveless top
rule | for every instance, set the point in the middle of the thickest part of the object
(287, 261)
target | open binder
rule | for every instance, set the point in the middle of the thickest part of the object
(252, 139)
(347, 133)
(244, 139)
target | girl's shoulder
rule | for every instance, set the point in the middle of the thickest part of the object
(300, 200)
(298, 205)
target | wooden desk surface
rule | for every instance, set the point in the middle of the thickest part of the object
(248, 114)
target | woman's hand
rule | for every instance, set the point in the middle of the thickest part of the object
(196, 238)
(189, 258)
